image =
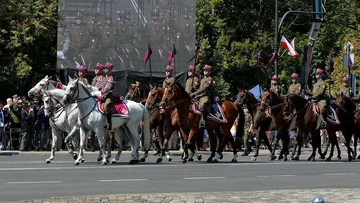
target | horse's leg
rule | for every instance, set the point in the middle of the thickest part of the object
(54, 133)
(101, 136)
(272, 156)
(156, 139)
(82, 134)
(168, 134)
(355, 146)
(118, 135)
(315, 139)
(189, 142)
(221, 144)
(347, 144)
(227, 134)
(213, 143)
(299, 142)
(71, 135)
(285, 142)
(135, 139)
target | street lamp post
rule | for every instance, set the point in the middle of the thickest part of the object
(276, 37)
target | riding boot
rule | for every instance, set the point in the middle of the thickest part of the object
(108, 121)
(324, 116)
(203, 118)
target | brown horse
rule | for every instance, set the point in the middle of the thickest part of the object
(278, 106)
(137, 92)
(176, 96)
(308, 121)
(158, 120)
(352, 122)
(263, 123)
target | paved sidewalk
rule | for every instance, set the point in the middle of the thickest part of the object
(271, 196)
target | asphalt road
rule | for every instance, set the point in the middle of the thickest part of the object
(28, 177)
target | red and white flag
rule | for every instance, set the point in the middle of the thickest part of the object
(290, 47)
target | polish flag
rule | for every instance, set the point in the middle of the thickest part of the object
(290, 47)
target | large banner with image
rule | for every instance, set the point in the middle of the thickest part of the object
(121, 32)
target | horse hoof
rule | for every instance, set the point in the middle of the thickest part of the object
(221, 156)
(272, 158)
(285, 159)
(209, 160)
(199, 157)
(103, 163)
(191, 159)
(132, 162)
(280, 157)
(295, 158)
(253, 159)
(136, 161)
(82, 160)
(184, 161)
(142, 159)
(233, 161)
(215, 161)
(75, 156)
(99, 159)
(322, 157)
(339, 157)
(47, 161)
(159, 160)
(113, 161)
(169, 159)
(358, 157)
(76, 163)
(309, 159)
(350, 158)
(313, 160)
(328, 159)
(157, 153)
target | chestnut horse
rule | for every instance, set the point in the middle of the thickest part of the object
(278, 106)
(262, 125)
(176, 96)
(157, 121)
(307, 121)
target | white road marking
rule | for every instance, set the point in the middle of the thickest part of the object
(275, 176)
(122, 180)
(338, 174)
(34, 182)
(202, 178)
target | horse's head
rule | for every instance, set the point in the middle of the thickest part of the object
(155, 95)
(72, 91)
(135, 91)
(49, 104)
(42, 84)
(241, 97)
(266, 99)
(345, 102)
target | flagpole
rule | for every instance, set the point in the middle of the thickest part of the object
(174, 62)
(150, 67)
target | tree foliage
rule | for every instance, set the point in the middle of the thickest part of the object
(233, 31)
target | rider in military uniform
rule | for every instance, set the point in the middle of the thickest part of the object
(275, 86)
(295, 87)
(78, 36)
(94, 26)
(97, 80)
(82, 73)
(346, 89)
(169, 78)
(203, 93)
(192, 83)
(319, 94)
(156, 32)
(106, 93)
(108, 35)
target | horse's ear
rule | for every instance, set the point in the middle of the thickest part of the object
(150, 86)
(137, 83)
(70, 79)
(46, 77)
(239, 90)
(49, 78)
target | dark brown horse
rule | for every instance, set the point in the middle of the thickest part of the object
(351, 123)
(176, 96)
(137, 92)
(277, 105)
(308, 121)
(263, 122)
(158, 120)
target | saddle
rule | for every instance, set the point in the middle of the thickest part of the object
(120, 109)
(216, 113)
(331, 114)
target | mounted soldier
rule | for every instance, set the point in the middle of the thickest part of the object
(346, 89)
(97, 80)
(78, 36)
(319, 94)
(203, 94)
(192, 83)
(107, 94)
(275, 86)
(169, 77)
(82, 73)
(108, 35)
(295, 87)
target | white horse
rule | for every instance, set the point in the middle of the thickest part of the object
(64, 118)
(67, 125)
(93, 119)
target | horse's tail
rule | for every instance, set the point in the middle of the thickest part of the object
(146, 128)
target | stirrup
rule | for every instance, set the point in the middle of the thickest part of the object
(202, 124)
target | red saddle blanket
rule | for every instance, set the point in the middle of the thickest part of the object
(331, 114)
(120, 109)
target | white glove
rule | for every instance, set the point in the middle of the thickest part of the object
(96, 93)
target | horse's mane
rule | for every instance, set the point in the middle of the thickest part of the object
(182, 89)
(85, 87)
(251, 95)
